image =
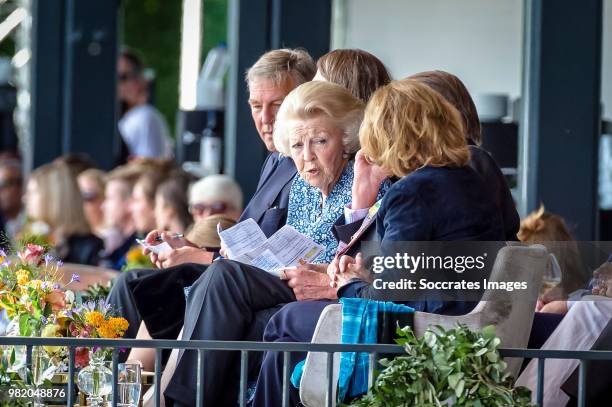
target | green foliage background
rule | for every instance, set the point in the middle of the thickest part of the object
(153, 27)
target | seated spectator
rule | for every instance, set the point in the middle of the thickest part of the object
(214, 195)
(91, 184)
(11, 197)
(411, 132)
(117, 215)
(171, 208)
(142, 203)
(455, 92)
(53, 199)
(551, 231)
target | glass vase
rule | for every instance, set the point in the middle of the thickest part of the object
(96, 380)
(43, 369)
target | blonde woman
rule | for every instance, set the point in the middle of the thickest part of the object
(53, 201)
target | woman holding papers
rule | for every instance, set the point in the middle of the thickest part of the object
(317, 126)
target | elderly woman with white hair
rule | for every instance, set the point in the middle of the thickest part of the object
(317, 126)
(215, 195)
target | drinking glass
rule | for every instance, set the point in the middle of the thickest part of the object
(129, 384)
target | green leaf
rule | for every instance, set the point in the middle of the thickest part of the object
(459, 388)
(24, 326)
(430, 338)
(488, 331)
(454, 379)
(493, 357)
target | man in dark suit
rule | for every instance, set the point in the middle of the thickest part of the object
(137, 293)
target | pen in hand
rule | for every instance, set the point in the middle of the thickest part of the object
(174, 236)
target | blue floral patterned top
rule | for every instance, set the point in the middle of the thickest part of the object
(309, 216)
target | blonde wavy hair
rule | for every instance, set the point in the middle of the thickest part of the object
(541, 226)
(61, 201)
(316, 98)
(408, 125)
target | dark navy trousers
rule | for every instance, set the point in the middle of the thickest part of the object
(295, 322)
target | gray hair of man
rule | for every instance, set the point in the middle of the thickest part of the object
(217, 187)
(281, 64)
(317, 98)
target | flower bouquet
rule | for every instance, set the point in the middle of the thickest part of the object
(37, 304)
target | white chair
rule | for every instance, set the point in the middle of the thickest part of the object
(513, 319)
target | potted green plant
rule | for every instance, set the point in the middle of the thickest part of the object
(457, 367)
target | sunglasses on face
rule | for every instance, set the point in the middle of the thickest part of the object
(126, 76)
(213, 208)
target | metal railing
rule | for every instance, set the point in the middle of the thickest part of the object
(287, 348)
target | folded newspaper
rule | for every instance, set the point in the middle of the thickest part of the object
(247, 243)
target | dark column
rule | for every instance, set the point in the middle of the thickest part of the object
(74, 51)
(561, 112)
(89, 120)
(290, 30)
(254, 27)
(46, 79)
(248, 38)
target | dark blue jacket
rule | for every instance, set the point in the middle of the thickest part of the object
(435, 204)
(482, 162)
(268, 206)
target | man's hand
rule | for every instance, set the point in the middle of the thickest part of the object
(174, 242)
(182, 255)
(366, 182)
(310, 282)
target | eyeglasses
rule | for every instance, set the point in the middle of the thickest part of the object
(90, 196)
(213, 208)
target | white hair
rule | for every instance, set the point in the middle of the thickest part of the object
(220, 187)
(320, 98)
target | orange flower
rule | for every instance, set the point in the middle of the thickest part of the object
(94, 318)
(113, 328)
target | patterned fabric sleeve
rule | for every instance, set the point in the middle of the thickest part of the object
(309, 215)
